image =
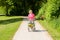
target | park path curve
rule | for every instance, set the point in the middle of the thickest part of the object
(23, 34)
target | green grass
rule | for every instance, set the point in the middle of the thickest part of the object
(8, 26)
(52, 28)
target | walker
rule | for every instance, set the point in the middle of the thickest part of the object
(31, 26)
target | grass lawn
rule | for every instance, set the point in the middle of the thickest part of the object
(8, 26)
(54, 32)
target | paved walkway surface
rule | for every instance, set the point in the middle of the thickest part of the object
(39, 34)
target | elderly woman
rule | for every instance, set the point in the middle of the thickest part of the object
(31, 16)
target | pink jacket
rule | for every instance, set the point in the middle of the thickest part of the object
(31, 17)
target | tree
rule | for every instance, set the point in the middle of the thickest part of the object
(49, 8)
(7, 4)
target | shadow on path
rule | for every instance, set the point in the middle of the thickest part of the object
(39, 30)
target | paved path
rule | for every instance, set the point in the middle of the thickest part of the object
(39, 34)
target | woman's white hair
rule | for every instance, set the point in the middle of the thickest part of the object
(30, 11)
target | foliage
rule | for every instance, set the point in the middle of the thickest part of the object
(50, 8)
(53, 27)
(51, 11)
(7, 4)
(21, 7)
(2, 11)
